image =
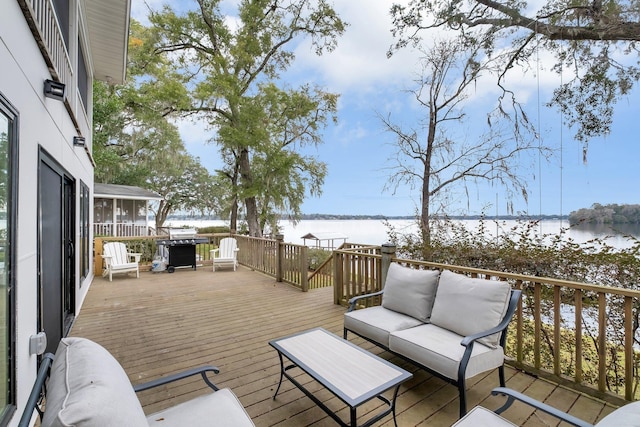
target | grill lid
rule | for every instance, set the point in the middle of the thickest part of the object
(181, 233)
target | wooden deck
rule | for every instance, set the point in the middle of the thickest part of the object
(163, 323)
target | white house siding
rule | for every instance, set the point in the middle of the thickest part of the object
(42, 122)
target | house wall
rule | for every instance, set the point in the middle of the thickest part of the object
(43, 122)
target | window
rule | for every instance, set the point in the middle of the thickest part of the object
(124, 211)
(83, 78)
(103, 211)
(140, 208)
(62, 13)
(8, 197)
(84, 231)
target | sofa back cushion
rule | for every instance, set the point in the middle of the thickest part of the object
(88, 387)
(467, 306)
(410, 291)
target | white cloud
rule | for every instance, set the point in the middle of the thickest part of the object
(359, 63)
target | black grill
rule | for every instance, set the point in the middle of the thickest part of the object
(181, 249)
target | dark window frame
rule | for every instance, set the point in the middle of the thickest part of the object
(82, 76)
(85, 224)
(11, 113)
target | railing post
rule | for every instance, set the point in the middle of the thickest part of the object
(338, 282)
(279, 256)
(97, 256)
(388, 251)
(304, 269)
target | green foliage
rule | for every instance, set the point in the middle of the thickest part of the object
(591, 42)
(607, 214)
(230, 68)
(136, 144)
(213, 229)
(317, 257)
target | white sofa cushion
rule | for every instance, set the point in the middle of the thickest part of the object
(88, 387)
(627, 415)
(221, 408)
(467, 306)
(410, 291)
(377, 322)
(439, 350)
(480, 416)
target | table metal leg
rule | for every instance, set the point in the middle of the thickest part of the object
(281, 375)
(393, 404)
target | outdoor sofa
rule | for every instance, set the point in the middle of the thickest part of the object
(83, 385)
(451, 325)
(625, 416)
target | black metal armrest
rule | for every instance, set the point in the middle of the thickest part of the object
(352, 301)
(513, 395)
(504, 323)
(202, 370)
(37, 392)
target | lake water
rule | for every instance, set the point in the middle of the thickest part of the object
(375, 232)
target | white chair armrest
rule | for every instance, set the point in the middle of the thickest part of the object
(135, 255)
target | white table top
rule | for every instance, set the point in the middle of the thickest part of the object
(339, 365)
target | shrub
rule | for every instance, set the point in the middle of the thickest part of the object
(317, 257)
(213, 229)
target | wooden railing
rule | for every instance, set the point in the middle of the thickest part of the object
(146, 245)
(286, 262)
(322, 277)
(576, 334)
(107, 229)
(42, 20)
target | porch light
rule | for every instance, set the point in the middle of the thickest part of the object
(54, 90)
(79, 141)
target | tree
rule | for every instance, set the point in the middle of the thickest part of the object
(595, 40)
(227, 63)
(433, 158)
(135, 144)
(183, 184)
(289, 121)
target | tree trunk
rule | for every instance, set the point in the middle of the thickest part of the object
(426, 175)
(233, 221)
(161, 216)
(250, 200)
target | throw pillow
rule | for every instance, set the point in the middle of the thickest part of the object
(410, 291)
(467, 306)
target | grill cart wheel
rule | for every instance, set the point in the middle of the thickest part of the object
(171, 268)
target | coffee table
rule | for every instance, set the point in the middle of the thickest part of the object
(352, 374)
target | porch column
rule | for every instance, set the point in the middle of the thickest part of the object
(115, 217)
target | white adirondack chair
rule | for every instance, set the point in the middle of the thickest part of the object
(118, 260)
(226, 254)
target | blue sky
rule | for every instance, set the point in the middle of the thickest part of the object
(357, 148)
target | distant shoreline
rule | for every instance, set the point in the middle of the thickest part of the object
(325, 217)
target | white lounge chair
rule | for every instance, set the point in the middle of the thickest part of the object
(118, 260)
(226, 254)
